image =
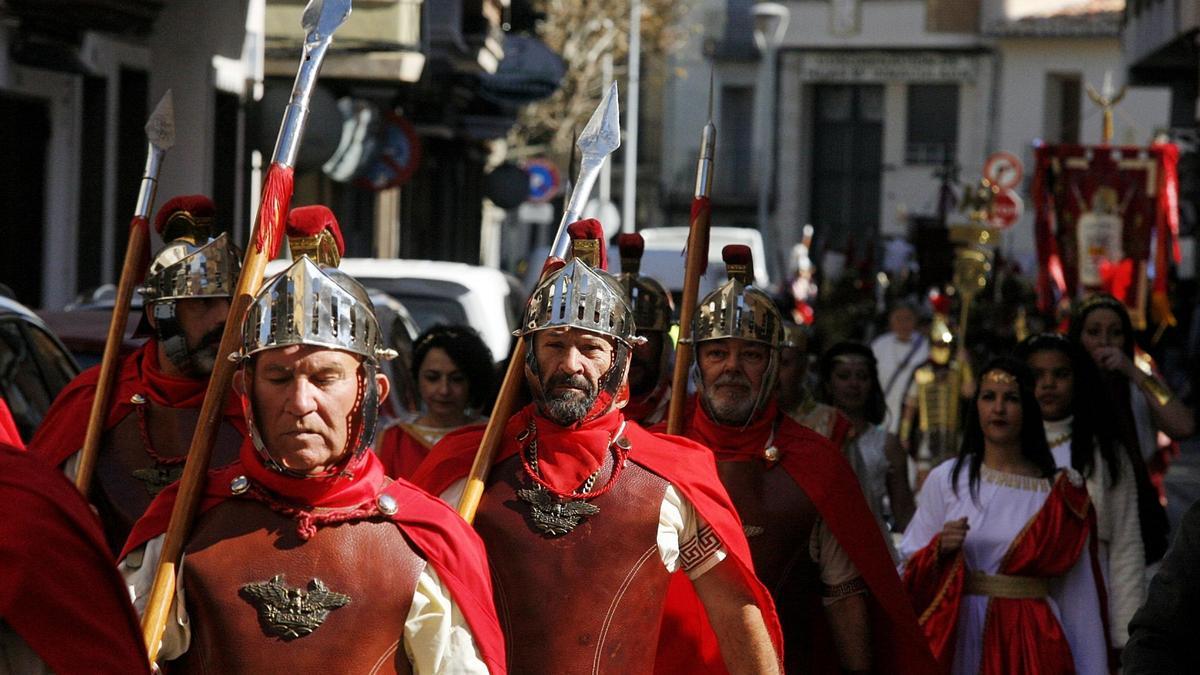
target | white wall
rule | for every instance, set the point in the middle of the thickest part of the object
(186, 36)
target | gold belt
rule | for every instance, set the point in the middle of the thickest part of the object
(1006, 586)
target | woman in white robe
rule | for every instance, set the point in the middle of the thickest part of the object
(997, 556)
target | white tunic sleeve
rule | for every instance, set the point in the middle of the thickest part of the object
(1079, 611)
(437, 639)
(930, 517)
(1126, 553)
(138, 568)
(684, 539)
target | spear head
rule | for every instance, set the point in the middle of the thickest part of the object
(601, 135)
(160, 128)
(322, 17)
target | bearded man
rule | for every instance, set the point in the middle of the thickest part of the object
(814, 541)
(305, 557)
(586, 515)
(156, 398)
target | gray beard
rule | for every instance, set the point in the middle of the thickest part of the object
(567, 408)
(734, 413)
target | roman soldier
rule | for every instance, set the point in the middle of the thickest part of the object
(63, 608)
(653, 309)
(586, 515)
(814, 541)
(155, 401)
(304, 555)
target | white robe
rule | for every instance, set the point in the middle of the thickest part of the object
(1005, 505)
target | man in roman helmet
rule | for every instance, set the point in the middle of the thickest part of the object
(586, 515)
(305, 557)
(651, 365)
(158, 389)
(811, 533)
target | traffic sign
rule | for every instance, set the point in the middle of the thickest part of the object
(544, 181)
(1007, 208)
(1003, 170)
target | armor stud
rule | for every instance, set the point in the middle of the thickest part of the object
(137, 399)
(239, 485)
(387, 505)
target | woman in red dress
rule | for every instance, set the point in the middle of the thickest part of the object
(456, 381)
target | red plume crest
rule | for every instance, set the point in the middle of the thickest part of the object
(587, 242)
(309, 221)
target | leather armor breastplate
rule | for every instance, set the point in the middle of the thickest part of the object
(120, 496)
(778, 518)
(241, 542)
(589, 601)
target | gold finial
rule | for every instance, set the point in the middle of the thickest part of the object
(1107, 100)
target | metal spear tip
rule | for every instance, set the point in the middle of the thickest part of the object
(160, 128)
(322, 17)
(602, 134)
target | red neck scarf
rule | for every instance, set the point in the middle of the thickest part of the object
(735, 443)
(173, 391)
(568, 455)
(358, 483)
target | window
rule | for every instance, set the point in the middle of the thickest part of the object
(735, 141)
(1064, 94)
(932, 124)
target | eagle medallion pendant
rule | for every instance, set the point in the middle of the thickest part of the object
(552, 516)
(289, 613)
(157, 477)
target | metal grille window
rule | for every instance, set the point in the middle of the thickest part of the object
(932, 124)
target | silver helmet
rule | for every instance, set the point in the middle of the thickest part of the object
(323, 307)
(188, 268)
(582, 295)
(737, 309)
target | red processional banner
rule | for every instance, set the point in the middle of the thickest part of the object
(1097, 211)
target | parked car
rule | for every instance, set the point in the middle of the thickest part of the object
(34, 365)
(438, 292)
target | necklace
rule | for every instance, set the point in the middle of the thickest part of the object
(1059, 440)
(555, 513)
(166, 470)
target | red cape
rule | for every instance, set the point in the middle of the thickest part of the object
(447, 543)
(898, 644)
(61, 432)
(401, 450)
(9, 434)
(59, 590)
(686, 465)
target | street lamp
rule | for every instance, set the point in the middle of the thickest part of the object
(770, 25)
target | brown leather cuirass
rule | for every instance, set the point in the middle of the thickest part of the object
(589, 601)
(778, 518)
(363, 573)
(128, 478)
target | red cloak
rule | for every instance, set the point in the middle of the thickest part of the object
(447, 543)
(61, 433)
(684, 464)
(60, 591)
(1020, 635)
(820, 470)
(401, 449)
(9, 434)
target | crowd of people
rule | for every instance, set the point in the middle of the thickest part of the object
(812, 514)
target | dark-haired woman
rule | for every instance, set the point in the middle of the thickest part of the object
(455, 380)
(848, 380)
(998, 558)
(1142, 404)
(1081, 434)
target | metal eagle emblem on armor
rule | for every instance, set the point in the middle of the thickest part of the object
(552, 516)
(291, 613)
(159, 476)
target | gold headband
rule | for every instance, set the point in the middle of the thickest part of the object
(852, 359)
(999, 377)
